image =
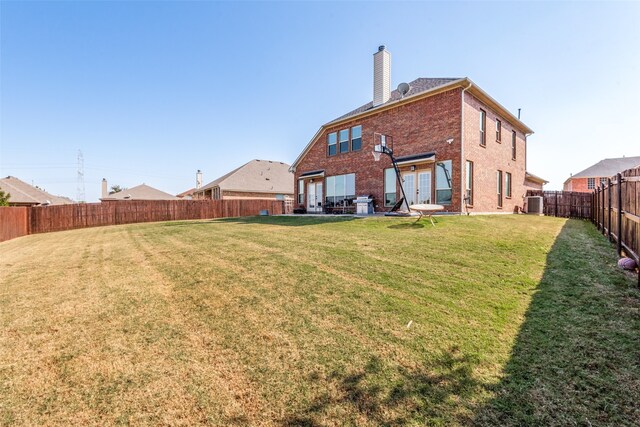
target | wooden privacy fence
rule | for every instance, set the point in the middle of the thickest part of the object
(566, 204)
(15, 222)
(617, 212)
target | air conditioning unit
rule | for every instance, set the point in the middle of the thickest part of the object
(535, 205)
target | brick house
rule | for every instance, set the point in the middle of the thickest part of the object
(595, 175)
(23, 194)
(257, 179)
(455, 146)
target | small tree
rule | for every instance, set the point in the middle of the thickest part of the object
(4, 198)
(116, 189)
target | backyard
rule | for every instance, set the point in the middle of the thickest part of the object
(486, 320)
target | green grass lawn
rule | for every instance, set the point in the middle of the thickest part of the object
(492, 320)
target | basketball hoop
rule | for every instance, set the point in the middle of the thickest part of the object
(377, 151)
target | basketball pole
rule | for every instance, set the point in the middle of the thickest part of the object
(389, 153)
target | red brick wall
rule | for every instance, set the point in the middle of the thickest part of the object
(580, 185)
(424, 126)
(418, 127)
(487, 160)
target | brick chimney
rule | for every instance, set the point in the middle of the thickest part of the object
(105, 191)
(381, 76)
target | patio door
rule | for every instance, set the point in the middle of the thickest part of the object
(409, 186)
(424, 187)
(420, 194)
(314, 197)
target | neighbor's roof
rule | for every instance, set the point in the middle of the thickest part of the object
(259, 176)
(608, 167)
(23, 193)
(140, 192)
(418, 89)
(187, 193)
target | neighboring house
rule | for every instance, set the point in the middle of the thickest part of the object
(455, 145)
(591, 178)
(186, 195)
(23, 194)
(258, 179)
(140, 192)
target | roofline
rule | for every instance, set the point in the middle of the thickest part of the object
(464, 82)
(532, 177)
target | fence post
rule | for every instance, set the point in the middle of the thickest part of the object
(603, 208)
(619, 179)
(609, 210)
(556, 205)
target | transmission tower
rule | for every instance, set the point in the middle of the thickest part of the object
(80, 196)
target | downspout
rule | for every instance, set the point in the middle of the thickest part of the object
(462, 160)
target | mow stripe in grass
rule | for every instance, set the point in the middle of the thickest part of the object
(514, 320)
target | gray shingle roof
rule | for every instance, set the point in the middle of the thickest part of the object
(415, 87)
(260, 176)
(25, 194)
(608, 167)
(140, 192)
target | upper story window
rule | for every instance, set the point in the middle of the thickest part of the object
(498, 130)
(356, 138)
(513, 145)
(344, 140)
(332, 140)
(483, 127)
(603, 181)
(591, 183)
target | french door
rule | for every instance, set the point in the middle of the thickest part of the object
(420, 193)
(314, 197)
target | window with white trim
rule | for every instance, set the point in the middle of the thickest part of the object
(591, 183)
(483, 127)
(443, 182)
(390, 187)
(507, 184)
(499, 187)
(340, 190)
(356, 138)
(301, 191)
(332, 140)
(343, 136)
(469, 183)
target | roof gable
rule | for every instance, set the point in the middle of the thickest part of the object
(140, 192)
(263, 176)
(416, 87)
(608, 167)
(23, 193)
(419, 89)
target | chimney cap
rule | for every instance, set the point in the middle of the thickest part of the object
(381, 48)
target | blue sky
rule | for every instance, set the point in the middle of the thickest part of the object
(152, 91)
